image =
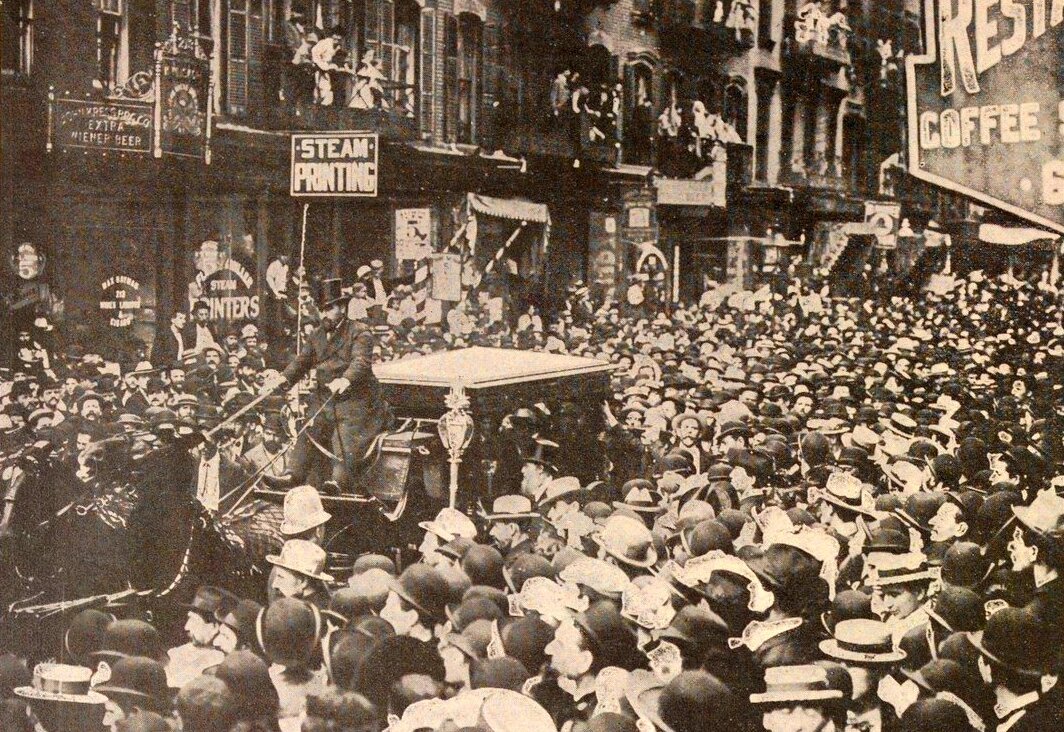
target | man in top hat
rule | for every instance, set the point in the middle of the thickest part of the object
(351, 410)
(538, 468)
(186, 662)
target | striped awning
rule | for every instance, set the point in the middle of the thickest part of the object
(515, 209)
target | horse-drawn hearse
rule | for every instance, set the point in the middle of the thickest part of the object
(135, 535)
(442, 403)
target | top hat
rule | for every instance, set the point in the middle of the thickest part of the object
(330, 291)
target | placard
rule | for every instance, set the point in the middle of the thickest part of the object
(447, 277)
(340, 164)
(125, 127)
(413, 234)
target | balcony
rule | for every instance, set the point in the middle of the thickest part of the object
(271, 104)
(819, 37)
(822, 174)
(730, 27)
(562, 138)
(740, 165)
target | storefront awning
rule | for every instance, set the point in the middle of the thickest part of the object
(474, 7)
(514, 209)
(1013, 236)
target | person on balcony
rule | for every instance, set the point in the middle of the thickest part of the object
(328, 56)
(560, 94)
(369, 91)
(299, 81)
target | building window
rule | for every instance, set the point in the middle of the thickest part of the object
(112, 44)
(17, 52)
(764, 24)
(853, 134)
(464, 56)
(735, 106)
(405, 55)
(640, 117)
(764, 123)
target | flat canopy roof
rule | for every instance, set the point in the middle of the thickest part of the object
(479, 367)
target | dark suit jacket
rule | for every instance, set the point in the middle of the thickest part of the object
(165, 348)
(345, 352)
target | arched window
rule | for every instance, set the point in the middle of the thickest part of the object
(735, 105)
(639, 110)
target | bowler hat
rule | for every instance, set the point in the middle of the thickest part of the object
(248, 677)
(526, 640)
(425, 588)
(86, 633)
(130, 638)
(140, 681)
(207, 703)
(288, 631)
(1014, 638)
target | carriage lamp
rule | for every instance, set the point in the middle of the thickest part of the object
(456, 432)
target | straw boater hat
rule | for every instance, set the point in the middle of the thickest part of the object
(862, 641)
(61, 698)
(785, 684)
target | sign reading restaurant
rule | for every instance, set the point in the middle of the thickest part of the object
(985, 106)
(335, 164)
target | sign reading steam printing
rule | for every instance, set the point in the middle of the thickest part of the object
(985, 107)
(334, 164)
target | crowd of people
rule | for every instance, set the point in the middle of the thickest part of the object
(796, 512)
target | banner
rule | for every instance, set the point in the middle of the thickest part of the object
(985, 104)
(184, 105)
(340, 164)
(413, 234)
(225, 284)
(447, 277)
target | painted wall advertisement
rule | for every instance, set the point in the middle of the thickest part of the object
(124, 127)
(226, 285)
(985, 108)
(120, 300)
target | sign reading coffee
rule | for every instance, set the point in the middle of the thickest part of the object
(106, 126)
(985, 108)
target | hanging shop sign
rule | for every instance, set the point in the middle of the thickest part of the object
(677, 192)
(413, 234)
(882, 219)
(447, 277)
(223, 283)
(335, 164)
(183, 112)
(105, 126)
(985, 104)
(120, 300)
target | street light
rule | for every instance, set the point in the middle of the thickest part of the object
(456, 432)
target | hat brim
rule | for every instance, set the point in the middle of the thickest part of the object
(289, 530)
(640, 508)
(34, 694)
(153, 703)
(783, 697)
(650, 561)
(869, 512)
(830, 647)
(275, 560)
(976, 639)
(643, 692)
(521, 516)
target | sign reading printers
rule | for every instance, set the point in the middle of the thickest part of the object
(985, 109)
(335, 164)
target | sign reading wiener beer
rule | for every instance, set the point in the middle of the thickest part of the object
(335, 164)
(986, 114)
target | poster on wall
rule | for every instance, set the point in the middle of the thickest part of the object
(413, 234)
(224, 283)
(120, 300)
